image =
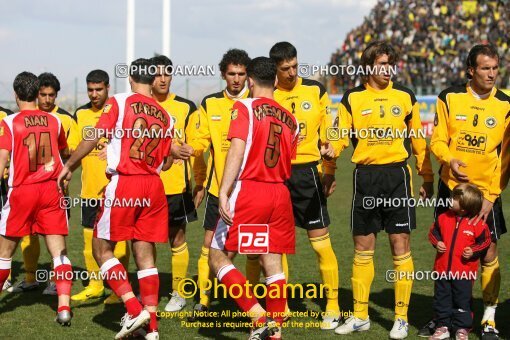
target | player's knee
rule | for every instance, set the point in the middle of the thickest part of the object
(400, 244)
(177, 238)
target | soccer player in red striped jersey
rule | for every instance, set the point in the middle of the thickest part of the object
(35, 141)
(263, 139)
(140, 131)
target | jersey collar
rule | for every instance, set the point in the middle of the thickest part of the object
(476, 95)
(299, 81)
(370, 88)
(241, 95)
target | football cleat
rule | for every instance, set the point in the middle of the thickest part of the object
(130, 324)
(176, 302)
(64, 318)
(353, 324)
(88, 293)
(266, 330)
(400, 329)
(196, 312)
(24, 286)
(331, 320)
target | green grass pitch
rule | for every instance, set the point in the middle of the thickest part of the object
(30, 315)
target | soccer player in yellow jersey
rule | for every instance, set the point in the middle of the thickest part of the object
(383, 120)
(309, 102)
(468, 137)
(93, 182)
(177, 180)
(213, 123)
(30, 247)
(3, 192)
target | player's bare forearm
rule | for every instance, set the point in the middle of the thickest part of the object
(83, 149)
(168, 163)
(232, 165)
(4, 159)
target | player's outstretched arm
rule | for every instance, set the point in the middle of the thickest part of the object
(232, 166)
(83, 149)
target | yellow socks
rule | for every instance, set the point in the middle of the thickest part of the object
(285, 267)
(252, 269)
(362, 277)
(491, 280)
(203, 275)
(180, 261)
(90, 262)
(328, 267)
(403, 284)
(31, 250)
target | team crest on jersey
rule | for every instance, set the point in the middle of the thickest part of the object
(107, 108)
(396, 110)
(233, 115)
(306, 105)
(490, 122)
(174, 120)
(366, 112)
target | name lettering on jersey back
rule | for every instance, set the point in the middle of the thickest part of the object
(149, 110)
(36, 121)
(263, 110)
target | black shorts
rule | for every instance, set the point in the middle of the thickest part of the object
(89, 209)
(495, 220)
(212, 212)
(381, 200)
(308, 201)
(181, 209)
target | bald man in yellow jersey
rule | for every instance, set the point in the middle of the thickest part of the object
(383, 120)
(49, 86)
(177, 180)
(468, 140)
(309, 102)
(213, 124)
(93, 182)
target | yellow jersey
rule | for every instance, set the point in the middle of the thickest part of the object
(472, 130)
(212, 125)
(67, 119)
(384, 126)
(176, 180)
(93, 177)
(309, 102)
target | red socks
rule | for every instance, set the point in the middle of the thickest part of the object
(231, 277)
(63, 274)
(133, 306)
(116, 276)
(276, 298)
(149, 289)
(5, 270)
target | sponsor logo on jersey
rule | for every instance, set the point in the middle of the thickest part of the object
(253, 239)
(306, 105)
(472, 142)
(490, 122)
(469, 233)
(396, 110)
(234, 113)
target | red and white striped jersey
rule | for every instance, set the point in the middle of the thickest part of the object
(271, 135)
(140, 133)
(34, 138)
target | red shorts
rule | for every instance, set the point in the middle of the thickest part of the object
(34, 209)
(133, 207)
(254, 202)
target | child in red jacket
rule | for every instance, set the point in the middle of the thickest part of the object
(459, 245)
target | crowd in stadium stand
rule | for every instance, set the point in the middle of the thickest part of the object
(433, 37)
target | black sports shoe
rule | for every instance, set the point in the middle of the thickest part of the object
(489, 332)
(427, 330)
(263, 332)
(197, 309)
